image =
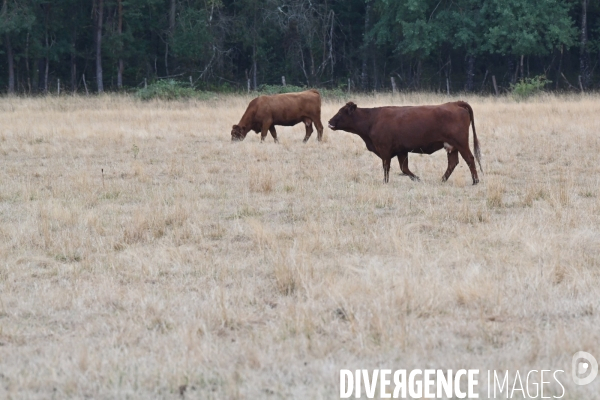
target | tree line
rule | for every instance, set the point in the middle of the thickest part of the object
(360, 45)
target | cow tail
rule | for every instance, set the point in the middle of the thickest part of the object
(466, 106)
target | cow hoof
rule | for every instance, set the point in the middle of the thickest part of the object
(475, 182)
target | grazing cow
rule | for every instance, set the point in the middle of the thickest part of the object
(264, 112)
(396, 131)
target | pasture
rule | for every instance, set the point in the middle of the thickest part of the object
(143, 255)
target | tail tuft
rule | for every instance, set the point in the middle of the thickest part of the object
(477, 149)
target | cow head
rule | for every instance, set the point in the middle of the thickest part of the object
(238, 133)
(343, 119)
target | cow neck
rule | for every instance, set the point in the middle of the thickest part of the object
(362, 121)
(246, 122)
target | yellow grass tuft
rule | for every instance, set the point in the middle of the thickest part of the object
(495, 192)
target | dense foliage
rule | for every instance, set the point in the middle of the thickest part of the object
(239, 45)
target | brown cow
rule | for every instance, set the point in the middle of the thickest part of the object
(397, 131)
(264, 112)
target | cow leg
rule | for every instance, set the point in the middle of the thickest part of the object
(403, 161)
(452, 163)
(309, 129)
(263, 133)
(273, 133)
(319, 126)
(466, 154)
(386, 169)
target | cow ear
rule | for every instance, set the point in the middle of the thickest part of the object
(351, 107)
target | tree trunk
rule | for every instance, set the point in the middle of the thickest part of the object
(583, 52)
(99, 19)
(120, 31)
(11, 69)
(331, 45)
(40, 71)
(521, 65)
(73, 74)
(483, 82)
(27, 64)
(46, 71)
(470, 72)
(509, 64)
(375, 77)
(172, 11)
(448, 71)
(19, 81)
(9, 54)
(495, 85)
(43, 64)
(172, 14)
(313, 78)
(417, 74)
(559, 72)
(254, 66)
(73, 62)
(167, 59)
(365, 55)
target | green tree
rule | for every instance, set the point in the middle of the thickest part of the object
(532, 28)
(463, 25)
(413, 28)
(16, 18)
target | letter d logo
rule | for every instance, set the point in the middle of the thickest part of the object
(582, 363)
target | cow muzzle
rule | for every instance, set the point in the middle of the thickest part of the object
(331, 126)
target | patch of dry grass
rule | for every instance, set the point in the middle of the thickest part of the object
(193, 265)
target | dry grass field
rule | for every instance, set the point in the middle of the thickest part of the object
(144, 255)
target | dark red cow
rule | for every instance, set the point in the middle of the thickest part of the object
(289, 109)
(396, 131)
